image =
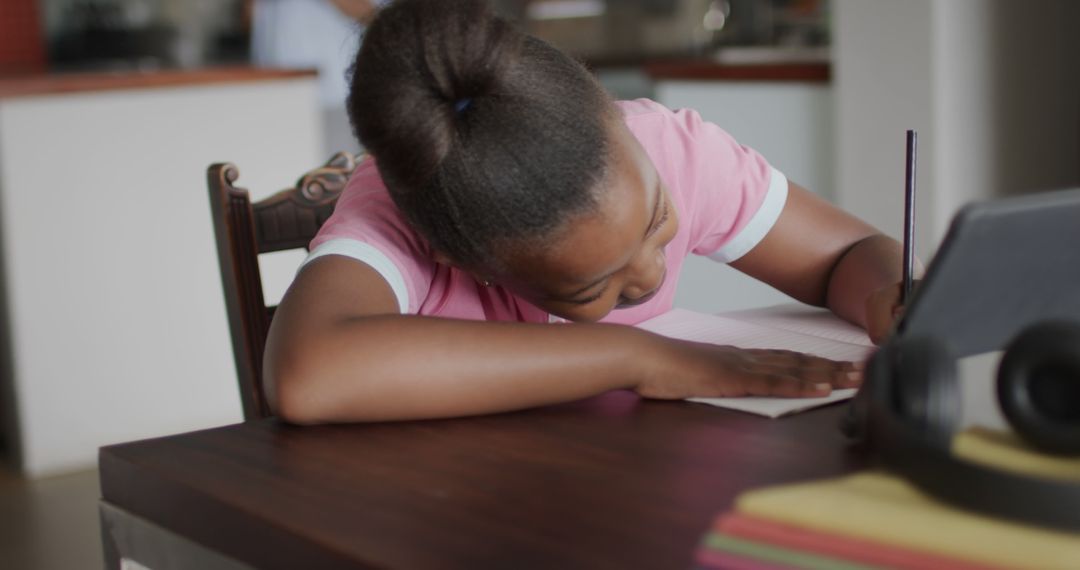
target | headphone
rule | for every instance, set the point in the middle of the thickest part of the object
(909, 406)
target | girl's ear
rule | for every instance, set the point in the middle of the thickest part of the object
(443, 259)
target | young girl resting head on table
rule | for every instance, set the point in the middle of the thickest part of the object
(507, 191)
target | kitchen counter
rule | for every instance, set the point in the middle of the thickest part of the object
(703, 69)
(734, 63)
(58, 83)
(110, 278)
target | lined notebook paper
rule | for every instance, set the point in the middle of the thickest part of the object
(789, 327)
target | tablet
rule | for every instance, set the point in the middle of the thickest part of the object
(1003, 265)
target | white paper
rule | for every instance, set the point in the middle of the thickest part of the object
(789, 327)
(776, 407)
(804, 319)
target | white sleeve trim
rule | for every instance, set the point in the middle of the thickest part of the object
(369, 254)
(760, 223)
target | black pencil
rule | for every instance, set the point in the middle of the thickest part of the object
(909, 216)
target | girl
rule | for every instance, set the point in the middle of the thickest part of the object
(507, 191)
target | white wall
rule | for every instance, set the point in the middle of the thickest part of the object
(882, 84)
(114, 294)
(964, 108)
(791, 124)
(992, 86)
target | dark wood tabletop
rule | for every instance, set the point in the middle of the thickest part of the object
(609, 482)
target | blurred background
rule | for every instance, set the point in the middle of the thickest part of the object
(112, 323)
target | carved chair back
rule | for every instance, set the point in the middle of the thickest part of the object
(286, 220)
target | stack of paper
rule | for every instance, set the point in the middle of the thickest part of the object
(878, 520)
(789, 327)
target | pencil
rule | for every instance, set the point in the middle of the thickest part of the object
(909, 216)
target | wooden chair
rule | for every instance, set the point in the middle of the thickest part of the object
(243, 230)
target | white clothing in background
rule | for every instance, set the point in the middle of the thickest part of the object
(307, 33)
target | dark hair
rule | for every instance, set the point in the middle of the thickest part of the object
(486, 137)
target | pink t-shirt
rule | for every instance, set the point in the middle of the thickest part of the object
(726, 195)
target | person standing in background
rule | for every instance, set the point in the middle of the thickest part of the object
(323, 34)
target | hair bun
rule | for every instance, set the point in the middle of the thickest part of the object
(425, 59)
(466, 48)
(488, 139)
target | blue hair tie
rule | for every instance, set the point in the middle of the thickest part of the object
(462, 104)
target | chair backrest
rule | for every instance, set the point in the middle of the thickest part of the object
(286, 220)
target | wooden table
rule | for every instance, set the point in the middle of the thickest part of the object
(609, 482)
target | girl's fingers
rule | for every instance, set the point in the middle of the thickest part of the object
(779, 373)
(800, 359)
(848, 379)
(787, 358)
(833, 377)
(784, 386)
(810, 369)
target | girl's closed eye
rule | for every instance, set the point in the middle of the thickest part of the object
(660, 222)
(590, 298)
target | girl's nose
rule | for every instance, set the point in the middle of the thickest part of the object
(646, 276)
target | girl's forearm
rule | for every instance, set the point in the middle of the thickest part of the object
(395, 367)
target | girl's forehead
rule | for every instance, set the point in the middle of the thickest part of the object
(598, 242)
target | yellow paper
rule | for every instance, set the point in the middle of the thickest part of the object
(887, 509)
(1004, 450)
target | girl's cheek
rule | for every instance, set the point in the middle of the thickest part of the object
(589, 315)
(605, 307)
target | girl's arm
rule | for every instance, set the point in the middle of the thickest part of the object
(824, 256)
(338, 351)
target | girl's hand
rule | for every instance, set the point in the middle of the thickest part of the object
(707, 370)
(883, 310)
